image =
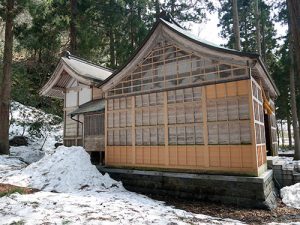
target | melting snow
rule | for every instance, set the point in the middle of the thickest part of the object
(66, 170)
(291, 195)
(9, 164)
(85, 196)
(40, 141)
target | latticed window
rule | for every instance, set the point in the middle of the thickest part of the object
(258, 114)
(94, 124)
(228, 117)
(168, 66)
(149, 119)
(185, 117)
(119, 122)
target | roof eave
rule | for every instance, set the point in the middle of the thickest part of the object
(160, 21)
(268, 75)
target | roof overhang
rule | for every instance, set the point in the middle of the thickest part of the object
(69, 68)
(186, 40)
(89, 107)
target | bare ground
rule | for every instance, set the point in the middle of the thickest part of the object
(281, 214)
(7, 189)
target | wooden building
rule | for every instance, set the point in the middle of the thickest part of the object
(183, 104)
(74, 81)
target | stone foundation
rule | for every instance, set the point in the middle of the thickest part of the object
(286, 171)
(248, 192)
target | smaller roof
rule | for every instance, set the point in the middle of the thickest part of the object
(86, 69)
(91, 106)
(72, 67)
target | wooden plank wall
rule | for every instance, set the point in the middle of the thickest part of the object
(236, 154)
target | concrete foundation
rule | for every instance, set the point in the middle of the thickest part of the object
(249, 192)
(286, 172)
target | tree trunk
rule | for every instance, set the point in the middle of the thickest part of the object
(278, 134)
(172, 7)
(263, 41)
(289, 131)
(257, 18)
(5, 79)
(293, 37)
(236, 26)
(157, 8)
(294, 24)
(282, 133)
(112, 48)
(293, 104)
(73, 30)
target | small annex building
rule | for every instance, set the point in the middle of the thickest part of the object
(179, 104)
(74, 80)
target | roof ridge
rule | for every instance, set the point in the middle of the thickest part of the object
(69, 55)
(168, 17)
(190, 35)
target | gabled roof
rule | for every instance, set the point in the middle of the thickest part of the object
(71, 67)
(166, 23)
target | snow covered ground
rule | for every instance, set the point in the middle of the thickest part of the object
(43, 131)
(74, 192)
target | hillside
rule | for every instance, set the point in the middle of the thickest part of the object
(42, 131)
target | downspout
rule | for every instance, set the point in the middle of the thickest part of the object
(78, 121)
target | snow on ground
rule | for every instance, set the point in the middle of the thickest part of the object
(86, 196)
(28, 154)
(43, 131)
(291, 223)
(291, 195)
(117, 207)
(66, 170)
(9, 165)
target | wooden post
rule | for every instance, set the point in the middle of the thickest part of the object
(252, 128)
(133, 129)
(205, 128)
(166, 128)
(105, 132)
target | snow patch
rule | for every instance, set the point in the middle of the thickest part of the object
(69, 169)
(26, 154)
(113, 207)
(291, 195)
(42, 129)
(9, 164)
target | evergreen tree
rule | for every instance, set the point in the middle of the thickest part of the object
(5, 78)
(248, 24)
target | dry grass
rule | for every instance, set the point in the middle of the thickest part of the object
(7, 189)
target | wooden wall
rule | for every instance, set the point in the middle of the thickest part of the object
(75, 95)
(218, 137)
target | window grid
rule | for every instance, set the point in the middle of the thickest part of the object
(169, 66)
(119, 122)
(258, 114)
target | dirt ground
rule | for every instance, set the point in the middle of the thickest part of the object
(281, 214)
(6, 189)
